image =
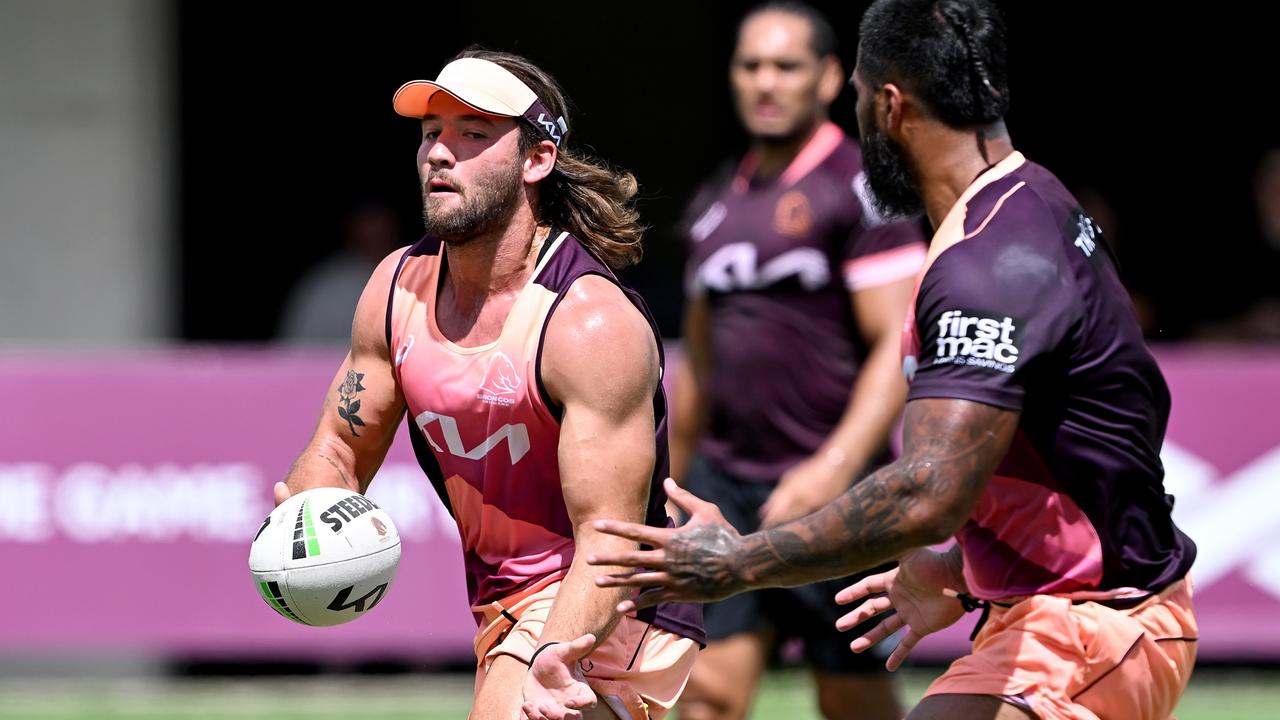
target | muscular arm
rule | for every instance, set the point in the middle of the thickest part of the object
(362, 408)
(689, 406)
(600, 362)
(863, 431)
(951, 448)
(880, 390)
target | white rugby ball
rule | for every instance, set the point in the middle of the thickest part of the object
(325, 556)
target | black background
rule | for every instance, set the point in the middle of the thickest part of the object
(286, 121)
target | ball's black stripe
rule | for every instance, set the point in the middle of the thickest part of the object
(299, 542)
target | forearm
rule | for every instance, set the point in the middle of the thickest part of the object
(689, 404)
(326, 462)
(581, 607)
(873, 522)
(875, 403)
(919, 500)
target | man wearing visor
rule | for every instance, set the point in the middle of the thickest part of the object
(531, 376)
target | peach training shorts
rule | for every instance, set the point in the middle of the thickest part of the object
(638, 671)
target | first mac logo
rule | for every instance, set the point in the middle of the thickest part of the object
(972, 337)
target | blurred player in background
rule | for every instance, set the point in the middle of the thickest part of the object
(531, 376)
(797, 292)
(1032, 430)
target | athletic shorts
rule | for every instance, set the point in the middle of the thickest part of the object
(808, 612)
(638, 671)
(1064, 659)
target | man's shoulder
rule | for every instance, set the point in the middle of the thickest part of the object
(598, 305)
(597, 337)
(1027, 200)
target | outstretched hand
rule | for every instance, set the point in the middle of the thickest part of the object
(698, 561)
(554, 687)
(916, 590)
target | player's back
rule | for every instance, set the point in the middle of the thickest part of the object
(1022, 307)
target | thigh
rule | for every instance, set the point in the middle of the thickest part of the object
(860, 696)
(1152, 675)
(725, 676)
(967, 707)
(1075, 661)
(499, 690)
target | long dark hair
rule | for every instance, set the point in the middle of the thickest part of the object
(950, 53)
(583, 194)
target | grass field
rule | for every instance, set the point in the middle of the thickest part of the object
(1214, 695)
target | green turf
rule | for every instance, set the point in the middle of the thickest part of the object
(1214, 694)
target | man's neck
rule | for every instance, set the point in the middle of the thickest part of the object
(773, 156)
(949, 160)
(493, 264)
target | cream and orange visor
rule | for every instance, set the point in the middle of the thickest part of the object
(485, 86)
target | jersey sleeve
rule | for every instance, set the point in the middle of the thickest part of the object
(992, 311)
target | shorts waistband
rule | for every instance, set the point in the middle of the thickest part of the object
(1125, 604)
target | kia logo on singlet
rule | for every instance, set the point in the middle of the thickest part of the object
(517, 437)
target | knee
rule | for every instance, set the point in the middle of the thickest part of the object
(873, 698)
(703, 708)
(708, 700)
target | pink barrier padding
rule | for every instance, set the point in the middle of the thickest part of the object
(131, 485)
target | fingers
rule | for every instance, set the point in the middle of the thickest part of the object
(572, 700)
(633, 531)
(583, 698)
(778, 517)
(281, 492)
(864, 612)
(639, 579)
(579, 648)
(900, 653)
(765, 509)
(869, 585)
(889, 626)
(685, 500)
(771, 513)
(543, 711)
(644, 600)
(629, 558)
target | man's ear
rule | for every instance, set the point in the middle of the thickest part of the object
(831, 80)
(891, 105)
(539, 162)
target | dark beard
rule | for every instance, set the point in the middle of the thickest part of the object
(485, 209)
(889, 176)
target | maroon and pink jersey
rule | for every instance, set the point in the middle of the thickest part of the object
(487, 434)
(776, 260)
(1020, 307)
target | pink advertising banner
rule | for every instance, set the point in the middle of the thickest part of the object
(131, 485)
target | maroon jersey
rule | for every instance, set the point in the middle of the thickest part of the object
(776, 261)
(1020, 307)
